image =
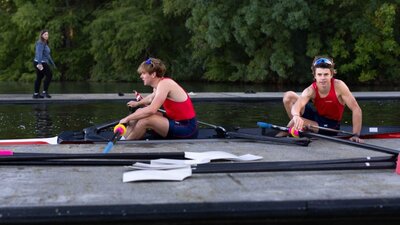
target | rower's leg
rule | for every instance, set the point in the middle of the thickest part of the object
(155, 122)
(289, 99)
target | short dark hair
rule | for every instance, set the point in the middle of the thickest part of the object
(323, 62)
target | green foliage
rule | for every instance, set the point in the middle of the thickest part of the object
(234, 41)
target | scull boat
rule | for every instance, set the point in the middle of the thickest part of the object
(103, 133)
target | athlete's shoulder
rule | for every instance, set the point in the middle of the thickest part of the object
(309, 92)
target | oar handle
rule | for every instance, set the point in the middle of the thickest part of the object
(119, 130)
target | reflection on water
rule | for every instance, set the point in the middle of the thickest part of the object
(43, 122)
(47, 120)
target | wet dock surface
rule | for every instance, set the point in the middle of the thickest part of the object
(82, 193)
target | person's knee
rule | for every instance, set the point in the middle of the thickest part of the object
(144, 123)
(289, 97)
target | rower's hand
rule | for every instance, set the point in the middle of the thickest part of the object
(356, 139)
(132, 104)
(124, 121)
(298, 123)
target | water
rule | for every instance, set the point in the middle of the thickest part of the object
(47, 120)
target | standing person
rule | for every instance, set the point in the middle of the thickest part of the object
(179, 120)
(41, 62)
(329, 96)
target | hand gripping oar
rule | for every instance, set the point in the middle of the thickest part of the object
(334, 139)
(119, 130)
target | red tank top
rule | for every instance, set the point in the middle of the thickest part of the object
(179, 110)
(328, 107)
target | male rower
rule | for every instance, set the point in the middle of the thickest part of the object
(179, 120)
(329, 97)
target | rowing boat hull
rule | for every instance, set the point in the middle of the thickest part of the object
(84, 137)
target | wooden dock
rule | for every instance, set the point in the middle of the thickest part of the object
(201, 96)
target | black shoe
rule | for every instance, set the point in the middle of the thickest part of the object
(37, 96)
(46, 95)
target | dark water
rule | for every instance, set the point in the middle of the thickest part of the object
(46, 120)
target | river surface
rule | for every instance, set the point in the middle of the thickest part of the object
(47, 120)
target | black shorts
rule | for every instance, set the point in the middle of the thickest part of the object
(183, 129)
(311, 113)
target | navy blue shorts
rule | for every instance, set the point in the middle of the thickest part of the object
(183, 129)
(311, 113)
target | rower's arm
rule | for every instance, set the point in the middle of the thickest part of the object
(301, 102)
(146, 100)
(157, 99)
(297, 122)
(351, 102)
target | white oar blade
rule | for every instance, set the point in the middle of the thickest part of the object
(219, 155)
(31, 141)
(157, 175)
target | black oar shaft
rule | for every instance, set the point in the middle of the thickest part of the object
(330, 130)
(71, 163)
(297, 141)
(352, 143)
(48, 156)
(383, 162)
(334, 139)
(265, 167)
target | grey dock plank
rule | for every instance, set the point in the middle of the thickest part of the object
(73, 193)
(200, 96)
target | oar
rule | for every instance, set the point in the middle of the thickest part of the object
(71, 163)
(17, 156)
(266, 167)
(181, 173)
(221, 132)
(296, 141)
(226, 167)
(334, 139)
(119, 130)
(330, 129)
